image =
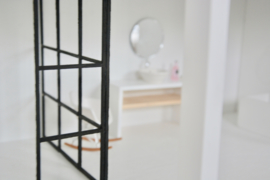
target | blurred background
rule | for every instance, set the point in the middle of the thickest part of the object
(146, 111)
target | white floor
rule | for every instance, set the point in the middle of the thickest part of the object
(147, 152)
(244, 155)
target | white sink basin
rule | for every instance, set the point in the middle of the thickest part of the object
(153, 75)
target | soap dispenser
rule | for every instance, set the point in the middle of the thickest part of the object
(175, 71)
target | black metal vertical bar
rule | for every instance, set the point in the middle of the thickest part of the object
(106, 23)
(36, 42)
(42, 63)
(80, 81)
(58, 71)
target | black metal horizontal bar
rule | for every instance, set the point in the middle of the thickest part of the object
(69, 135)
(72, 161)
(90, 121)
(74, 55)
(73, 111)
(69, 66)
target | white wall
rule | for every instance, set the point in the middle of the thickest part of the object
(255, 67)
(17, 103)
(16, 70)
(248, 51)
(125, 14)
(236, 28)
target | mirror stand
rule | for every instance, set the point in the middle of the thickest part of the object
(145, 63)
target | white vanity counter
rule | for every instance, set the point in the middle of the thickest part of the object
(135, 94)
(131, 85)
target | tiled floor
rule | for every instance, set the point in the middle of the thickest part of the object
(147, 152)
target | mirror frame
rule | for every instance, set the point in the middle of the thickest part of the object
(161, 45)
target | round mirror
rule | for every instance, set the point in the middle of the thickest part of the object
(146, 38)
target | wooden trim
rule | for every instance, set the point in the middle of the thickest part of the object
(84, 148)
(110, 140)
(151, 100)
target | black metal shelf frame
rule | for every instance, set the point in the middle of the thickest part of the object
(40, 86)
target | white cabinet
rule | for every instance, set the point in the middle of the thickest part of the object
(139, 94)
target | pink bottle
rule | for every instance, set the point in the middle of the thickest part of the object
(175, 72)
